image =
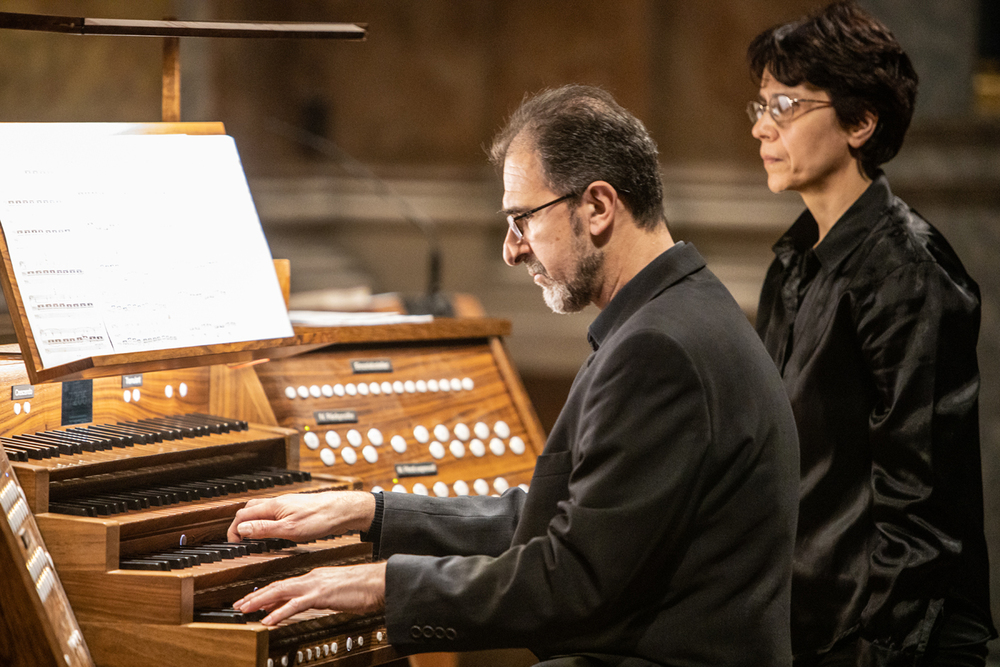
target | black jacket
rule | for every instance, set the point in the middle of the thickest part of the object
(875, 334)
(659, 524)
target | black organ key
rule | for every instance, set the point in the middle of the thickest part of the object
(86, 444)
(131, 437)
(183, 430)
(78, 442)
(202, 425)
(146, 498)
(204, 555)
(55, 447)
(183, 494)
(121, 436)
(132, 502)
(205, 489)
(230, 485)
(158, 431)
(227, 549)
(279, 543)
(228, 615)
(114, 502)
(143, 564)
(148, 435)
(230, 424)
(166, 495)
(71, 509)
(16, 454)
(27, 449)
(254, 546)
(174, 561)
(88, 440)
(92, 508)
(88, 434)
(114, 505)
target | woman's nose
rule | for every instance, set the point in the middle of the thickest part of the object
(764, 128)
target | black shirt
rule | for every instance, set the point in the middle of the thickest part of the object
(874, 331)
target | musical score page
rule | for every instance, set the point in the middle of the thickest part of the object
(135, 243)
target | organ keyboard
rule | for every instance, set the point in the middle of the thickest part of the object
(133, 497)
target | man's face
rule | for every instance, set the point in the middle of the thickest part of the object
(556, 248)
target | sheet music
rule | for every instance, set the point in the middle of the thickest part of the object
(327, 318)
(134, 243)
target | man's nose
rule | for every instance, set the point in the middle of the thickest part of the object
(514, 251)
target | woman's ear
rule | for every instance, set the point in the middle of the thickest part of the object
(862, 132)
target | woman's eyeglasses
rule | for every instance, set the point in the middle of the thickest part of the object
(781, 107)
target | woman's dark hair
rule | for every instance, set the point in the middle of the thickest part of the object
(582, 135)
(852, 56)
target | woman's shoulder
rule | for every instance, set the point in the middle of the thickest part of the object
(905, 256)
(903, 240)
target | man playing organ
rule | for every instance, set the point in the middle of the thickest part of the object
(659, 524)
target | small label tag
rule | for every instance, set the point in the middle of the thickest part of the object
(77, 402)
(416, 469)
(131, 381)
(372, 366)
(336, 416)
(19, 392)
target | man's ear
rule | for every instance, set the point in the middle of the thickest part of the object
(862, 132)
(601, 200)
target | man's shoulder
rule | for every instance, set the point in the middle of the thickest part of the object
(697, 317)
(697, 302)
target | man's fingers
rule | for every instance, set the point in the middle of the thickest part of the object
(256, 530)
(258, 508)
(290, 608)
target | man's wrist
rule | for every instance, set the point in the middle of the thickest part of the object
(373, 533)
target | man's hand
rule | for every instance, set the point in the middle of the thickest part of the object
(358, 589)
(302, 517)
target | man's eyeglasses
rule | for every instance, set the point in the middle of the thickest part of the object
(513, 220)
(781, 107)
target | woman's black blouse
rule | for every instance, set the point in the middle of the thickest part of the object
(874, 331)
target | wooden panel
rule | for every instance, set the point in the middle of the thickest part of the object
(129, 645)
(37, 625)
(237, 393)
(188, 391)
(142, 597)
(80, 543)
(234, 645)
(441, 328)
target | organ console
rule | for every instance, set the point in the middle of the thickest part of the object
(133, 503)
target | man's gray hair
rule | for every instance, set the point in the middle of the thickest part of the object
(582, 135)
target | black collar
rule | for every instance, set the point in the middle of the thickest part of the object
(672, 265)
(845, 235)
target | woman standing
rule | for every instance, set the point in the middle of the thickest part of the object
(873, 322)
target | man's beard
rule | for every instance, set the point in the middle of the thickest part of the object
(576, 294)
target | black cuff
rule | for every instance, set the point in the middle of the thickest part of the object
(374, 532)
